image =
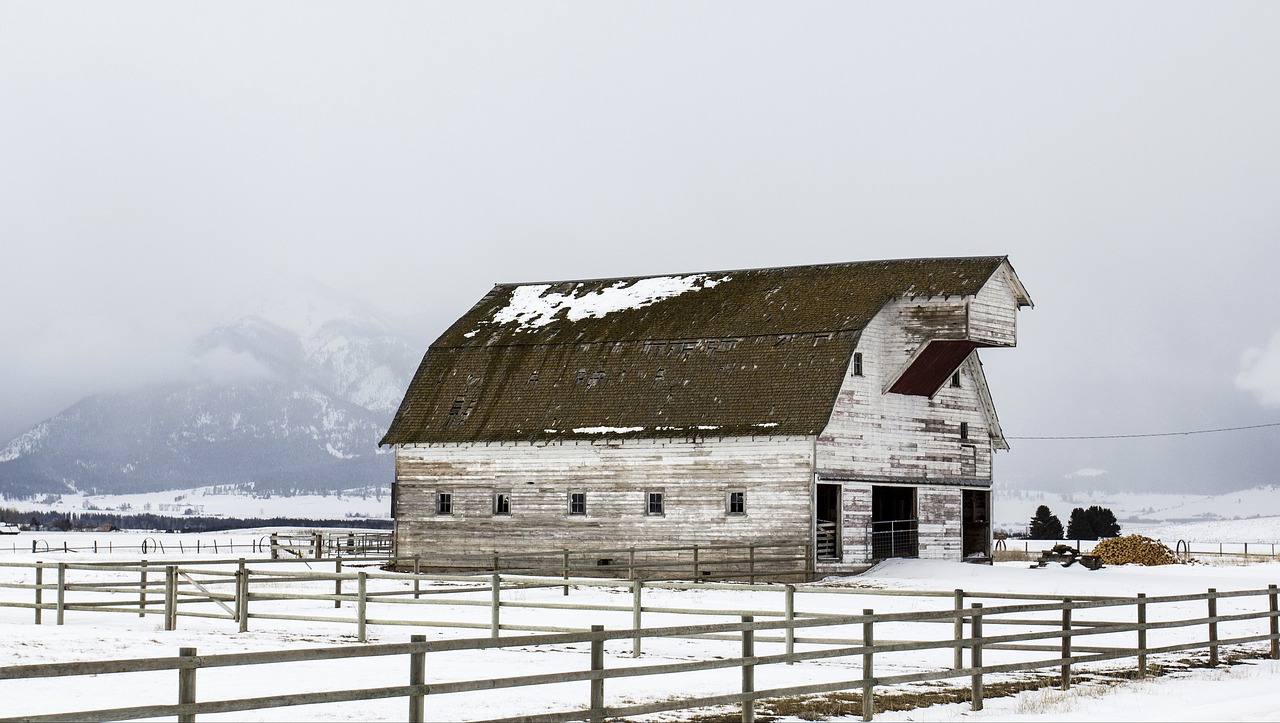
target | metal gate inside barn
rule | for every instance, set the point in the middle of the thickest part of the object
(894, 525)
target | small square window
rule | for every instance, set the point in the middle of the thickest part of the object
(444, 503)
(737, 503)
(656, 504)
(857, 364)
(577, 503)
(964, 430)
(955, 380)
(502, 503)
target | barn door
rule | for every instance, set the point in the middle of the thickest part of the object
(827, 517)
(894, 526)
(975, 523)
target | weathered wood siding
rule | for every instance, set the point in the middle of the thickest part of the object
(993, 313)
(776, 473)
(878, 437)
(898, 437)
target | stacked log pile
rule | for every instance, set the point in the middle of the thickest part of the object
(1134, 550)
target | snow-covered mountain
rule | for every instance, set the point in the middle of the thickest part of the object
(290, 396)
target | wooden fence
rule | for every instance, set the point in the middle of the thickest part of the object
(278, 545)
(240, 591)
(1046, 635)
(1241, 552)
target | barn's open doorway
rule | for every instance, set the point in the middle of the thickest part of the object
(894, 527)
(975, 523)
(827, 522)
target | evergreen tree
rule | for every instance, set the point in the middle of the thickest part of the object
(1079, 526)
(1092, 523)
(1045, 525)
(1103, 521)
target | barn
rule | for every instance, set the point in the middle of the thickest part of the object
(839, 407)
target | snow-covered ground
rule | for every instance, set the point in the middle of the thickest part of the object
(1235, 693)
(218, 502)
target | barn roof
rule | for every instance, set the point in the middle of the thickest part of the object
(727, 353)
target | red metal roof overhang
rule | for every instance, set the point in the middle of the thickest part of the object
(937, 361)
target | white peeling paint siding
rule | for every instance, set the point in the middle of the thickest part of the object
(775, 473)
(993, 314)
(875, 437)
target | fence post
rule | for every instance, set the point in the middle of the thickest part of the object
(868, 687)
(1212, 598)
(637, 587)
(337, 582)
(958, 663)
(417, 678)
(1142, 635)
(597, 684)
(975, 655)
(170, 597)
(275, 547)
(318, 542)
(1275, 622)
(790, 603)
(417, 570)
(748, 672)
(186, 686)
(362, 589)
(62, 590)
(242, 596)
(1066, 644)
(495, 604)
(142, 591)
(40, 590)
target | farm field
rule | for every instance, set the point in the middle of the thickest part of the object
(1245, 691)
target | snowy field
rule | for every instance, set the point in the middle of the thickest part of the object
(1240, 692)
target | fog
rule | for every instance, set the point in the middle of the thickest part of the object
(160, 159)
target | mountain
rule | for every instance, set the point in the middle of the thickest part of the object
(287, 398)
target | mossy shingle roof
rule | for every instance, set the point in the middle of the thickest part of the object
(731, 353)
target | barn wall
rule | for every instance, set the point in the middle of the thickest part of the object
(993, 313)
(900, 437)
(878, 437)
(776, 474)
(939, 513)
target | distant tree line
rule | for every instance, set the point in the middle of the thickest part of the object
(1092, 523)
(147, 521)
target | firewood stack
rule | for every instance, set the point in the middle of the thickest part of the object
(1134, 550)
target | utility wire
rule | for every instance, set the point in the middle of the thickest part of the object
(1159, 434)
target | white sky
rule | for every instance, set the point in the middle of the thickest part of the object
(156, 159)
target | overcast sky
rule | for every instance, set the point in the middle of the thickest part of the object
(156, 159)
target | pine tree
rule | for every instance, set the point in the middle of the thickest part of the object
(1045, 525)
(1103, 521)
(1079, 526)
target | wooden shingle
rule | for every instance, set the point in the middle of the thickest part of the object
(731, 353)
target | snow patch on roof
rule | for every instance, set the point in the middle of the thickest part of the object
(606, 430)
(532, 307)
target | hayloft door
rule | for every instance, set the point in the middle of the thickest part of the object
(975, 523)
(827, 519)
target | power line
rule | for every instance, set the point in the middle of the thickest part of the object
(1159, 434)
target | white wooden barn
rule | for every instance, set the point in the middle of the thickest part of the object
(840, 406)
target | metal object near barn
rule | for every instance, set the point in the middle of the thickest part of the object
(1066, 555)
